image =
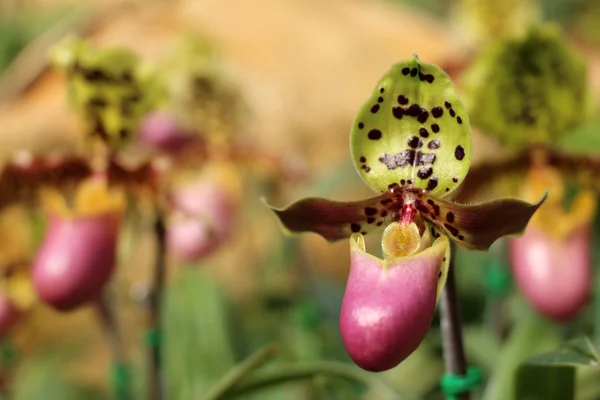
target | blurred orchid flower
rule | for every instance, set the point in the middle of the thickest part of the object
(78, 254)
(203, 212)
(411, 142)
(551, 261)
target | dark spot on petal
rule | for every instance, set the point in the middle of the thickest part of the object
(459, 120)
(461, 237)
(383, 213)
(414, 142)
(434, 144)
(386, 201)
(447, 189)
(398, 112)
(444, 259)
(375, 108)
(367, 169)
(370, 211)
(450, 217)
(380, 99)
(97, 102)
(355, 227)
(402, 181)
(430, 202)
(423, 115)
(402, 100)
(361, 125)
(435, 128)
(363, 233)
(440, 275)
(423, 133)
(429, 78)
(425, 172)
(413, 72)
(405, 71)
(409, 181)
(448, 105)
(433, 182)
(381, 90)
(379, 223)
(459, 153)
(414, 110)
(374, 134)
(363, 159)
(454, 180)
(421, 76)
(370, 220)
(452, 113)
(451, 229)
(392, 186)
(437, 112)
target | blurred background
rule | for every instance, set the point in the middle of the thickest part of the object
(268, 90)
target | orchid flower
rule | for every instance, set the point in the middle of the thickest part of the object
(78, 255)
(551, 262)
(411, 143)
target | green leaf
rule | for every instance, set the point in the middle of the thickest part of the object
(579, 352)
(543, 383)
(262, 380)
(412, 131)
(530, 334)
(583, 140)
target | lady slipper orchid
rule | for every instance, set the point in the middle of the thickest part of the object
(411, 142)
(77, 256)
(551, 261)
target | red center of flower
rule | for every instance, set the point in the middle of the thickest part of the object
(408, 214)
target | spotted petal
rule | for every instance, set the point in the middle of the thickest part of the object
(413, 131)
(476, 226)
(335, 219)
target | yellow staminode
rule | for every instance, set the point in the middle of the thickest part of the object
(552, 217)
(92, 197)
(400, 240)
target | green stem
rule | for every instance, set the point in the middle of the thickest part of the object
(240, 371)
(154, 333)
(290, 373)
(108, 321)
(452, 341)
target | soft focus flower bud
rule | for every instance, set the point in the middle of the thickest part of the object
(161, 131)
(389, 304)
(77, 256)
(204, 212)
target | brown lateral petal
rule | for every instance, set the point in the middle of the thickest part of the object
(476, 226)
(337, 220)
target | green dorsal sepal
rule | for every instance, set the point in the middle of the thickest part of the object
(413, 131)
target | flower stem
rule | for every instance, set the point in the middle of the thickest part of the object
(153, 335)
(108, 321)
(452, 342)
